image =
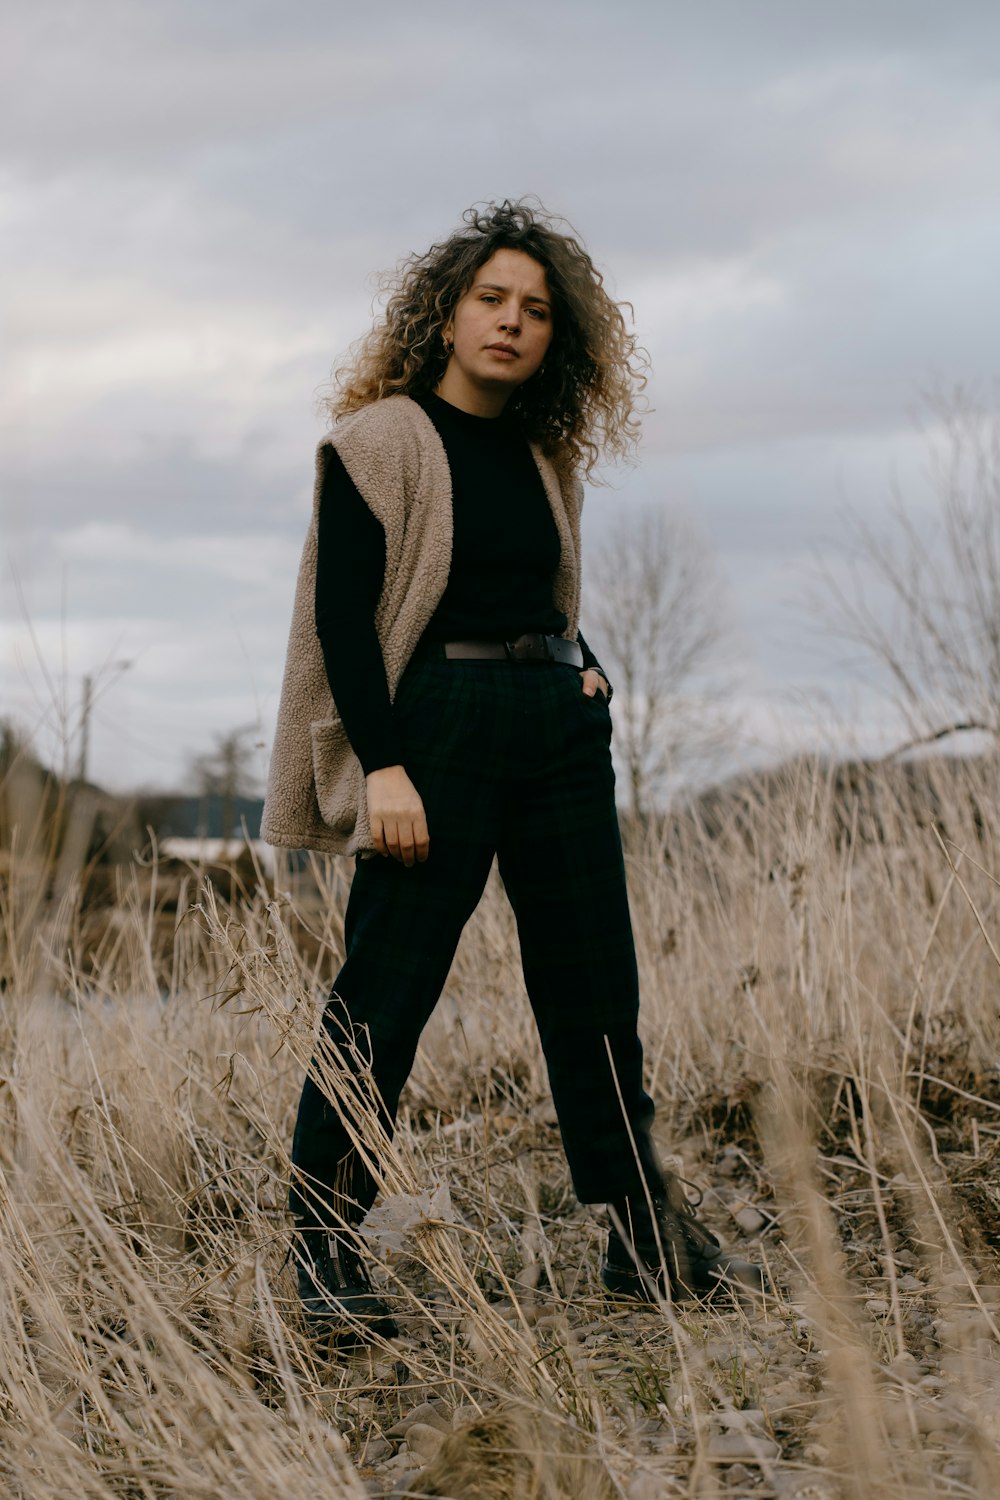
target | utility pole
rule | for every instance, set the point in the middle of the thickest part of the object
(87, 703)
(231, 756)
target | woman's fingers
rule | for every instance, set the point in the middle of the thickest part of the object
(401, 843)
(421, 838)
(407, 841)
(593, 682)
(411, 844)
(396, 812)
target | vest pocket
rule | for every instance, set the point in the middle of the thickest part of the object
(337, 774)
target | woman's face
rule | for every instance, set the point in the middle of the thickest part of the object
(501, 329)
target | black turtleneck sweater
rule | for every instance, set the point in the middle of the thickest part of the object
(505, 551)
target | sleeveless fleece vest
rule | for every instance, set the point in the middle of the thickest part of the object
(391, 450)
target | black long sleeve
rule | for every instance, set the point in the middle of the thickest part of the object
(350, 568)
(589, 659)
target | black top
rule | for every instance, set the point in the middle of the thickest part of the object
(505, 551)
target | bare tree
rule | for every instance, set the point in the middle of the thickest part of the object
(227, 773)
(656, 623)
(934, 622)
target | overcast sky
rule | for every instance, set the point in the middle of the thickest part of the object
(799, 199)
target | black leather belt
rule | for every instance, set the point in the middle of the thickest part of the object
(529, 647)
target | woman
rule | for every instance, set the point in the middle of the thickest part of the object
(440, 707)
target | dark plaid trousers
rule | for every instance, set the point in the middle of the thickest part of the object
(511, 759)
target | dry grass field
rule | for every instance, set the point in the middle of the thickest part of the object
(820, 972)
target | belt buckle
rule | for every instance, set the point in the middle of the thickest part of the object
(529, 647)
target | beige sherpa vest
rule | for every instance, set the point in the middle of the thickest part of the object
(391, 449)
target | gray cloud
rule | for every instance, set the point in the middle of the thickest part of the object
(799, 200)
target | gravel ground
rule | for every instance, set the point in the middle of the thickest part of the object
(757, 1394)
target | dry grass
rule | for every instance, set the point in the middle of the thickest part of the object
(820, 1011)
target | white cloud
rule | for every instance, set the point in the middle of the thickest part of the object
(241, 557)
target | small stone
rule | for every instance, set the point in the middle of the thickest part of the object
(905, 1367)
(646, 1426)
(784, 1398)
(896, 1417)
(738, 1474)
(407, 1483)
(719, 1351)
(749, 1219)
(645, 1487)
(769, 1327)
(730, 1447)
(430, 1415)
(799, 1487)
(398, 1463)
(970, 1367)
(910, 1283)
(950, 1332)
(548, 1317)
(424, 1440)
(375, 1451)
(934, 1418)
(544, 1113)
(877, 1306)
(747, 1417)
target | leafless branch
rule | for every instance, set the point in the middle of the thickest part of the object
(656, 621)
(936, 629)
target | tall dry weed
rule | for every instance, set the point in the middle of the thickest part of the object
(819, 968)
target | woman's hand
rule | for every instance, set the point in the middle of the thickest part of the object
(594, 682)
(399, 823)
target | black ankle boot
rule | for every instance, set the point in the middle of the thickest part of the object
(337, 1296)
(677, 1254)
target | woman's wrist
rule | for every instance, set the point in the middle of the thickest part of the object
(383, 770)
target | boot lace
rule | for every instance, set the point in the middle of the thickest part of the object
(699, 1238)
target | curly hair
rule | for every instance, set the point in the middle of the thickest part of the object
(581, 405)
